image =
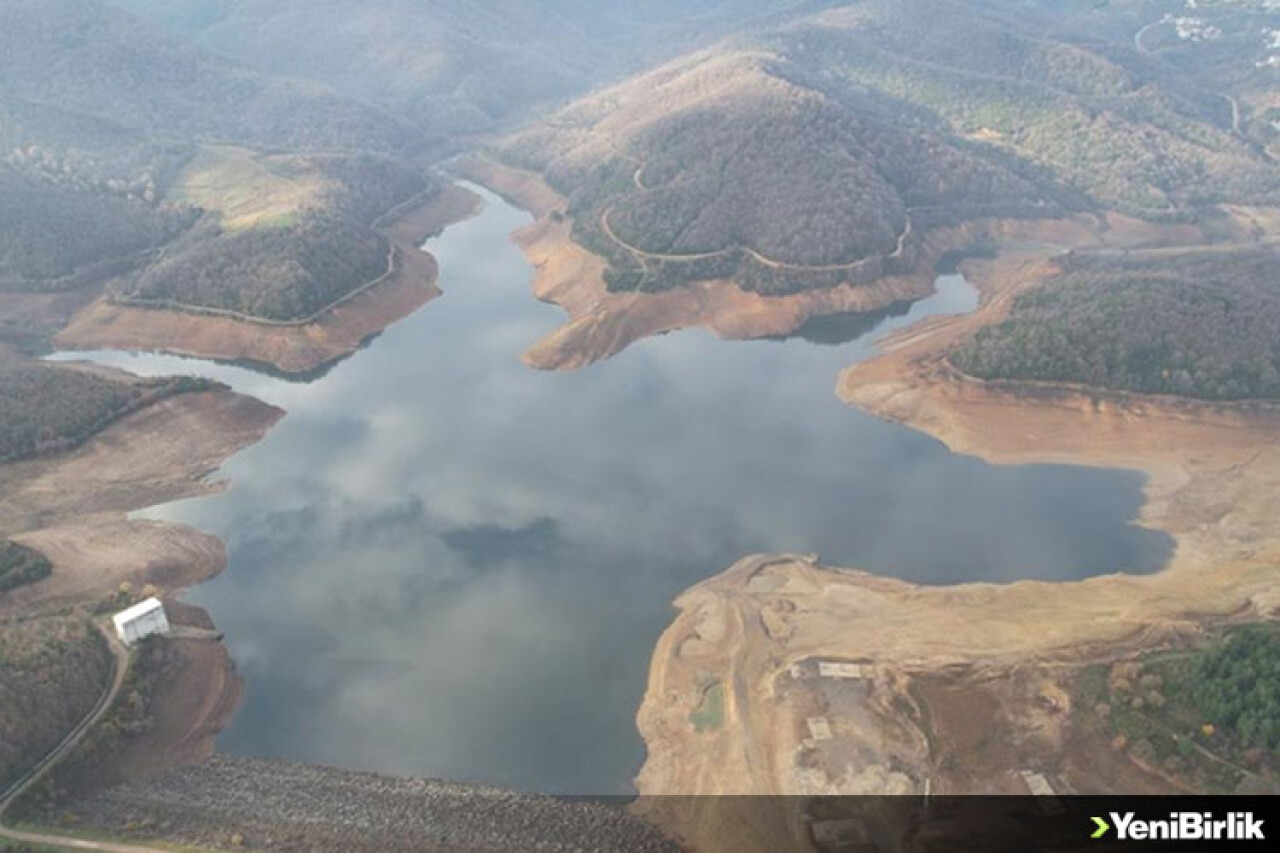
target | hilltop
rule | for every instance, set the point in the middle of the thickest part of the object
(820, 152)
(90, 58)
(139, 168)
(456, 67)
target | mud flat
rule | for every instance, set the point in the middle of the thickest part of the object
(602, 323)
(927, 656)
(228, 803)
(290, 348)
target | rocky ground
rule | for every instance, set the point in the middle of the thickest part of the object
(232, 803)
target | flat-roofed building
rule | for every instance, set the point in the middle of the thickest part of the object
(841, 669)
(141, 620)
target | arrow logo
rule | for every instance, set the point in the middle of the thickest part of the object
(1103, 826)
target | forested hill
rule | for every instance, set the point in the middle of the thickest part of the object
(47, 408)
(117, 138)
(729, 165)
(782, 153)
(459, 66)
(1196, 323)
(1067, 92)
(89, 57)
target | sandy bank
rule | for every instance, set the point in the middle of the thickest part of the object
(289, 348)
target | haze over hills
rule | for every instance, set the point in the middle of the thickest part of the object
(452, 66)
(860, 114)
(100, 116)
(102, 109)
(86, 56)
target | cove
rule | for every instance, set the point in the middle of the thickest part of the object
(444, 563)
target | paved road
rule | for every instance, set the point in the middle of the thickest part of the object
(120, 671)
(1137, 38)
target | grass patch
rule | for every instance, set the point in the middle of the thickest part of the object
(23, 847)
(245, 188)
(709, 714)
(1206, 716)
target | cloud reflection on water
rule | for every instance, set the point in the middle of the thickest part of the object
(444, 563)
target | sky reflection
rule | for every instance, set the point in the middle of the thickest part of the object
(443, 563)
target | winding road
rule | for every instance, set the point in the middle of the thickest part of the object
(1237, 115)
(120, 671)
(1137, 38)
(642, 255)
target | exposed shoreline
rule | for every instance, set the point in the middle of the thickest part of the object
(602, 323)
(745, 627)
(1213, 471)
(74, 508)
(289, 348)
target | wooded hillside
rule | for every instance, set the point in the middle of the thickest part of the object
(1196, 324)
(725, 166)
(89, 57)
(284, 273)
(48, 232)
(52, 672)
(774, 157)
(20, 565)
(46, 408)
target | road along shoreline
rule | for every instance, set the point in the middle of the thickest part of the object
(301, 347)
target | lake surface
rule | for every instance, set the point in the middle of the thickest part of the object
(444, 563)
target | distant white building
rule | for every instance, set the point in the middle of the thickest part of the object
(840, 669)
(141, 620)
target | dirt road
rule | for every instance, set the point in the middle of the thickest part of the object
(120, 670)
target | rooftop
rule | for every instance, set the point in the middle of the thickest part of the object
(142, 608)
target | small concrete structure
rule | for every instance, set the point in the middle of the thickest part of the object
(141, 620)
(840, 834)
(819, 728)
(839, 669)
(1039, 786)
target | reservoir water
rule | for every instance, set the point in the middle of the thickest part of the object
(444, 563)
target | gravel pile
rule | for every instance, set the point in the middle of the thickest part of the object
(233, 803)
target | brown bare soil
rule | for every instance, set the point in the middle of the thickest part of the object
(980, 672)
(72, 507)
(290, 348)
(196, 695)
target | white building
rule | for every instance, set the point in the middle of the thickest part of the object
(141, 620)
(840, 669)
